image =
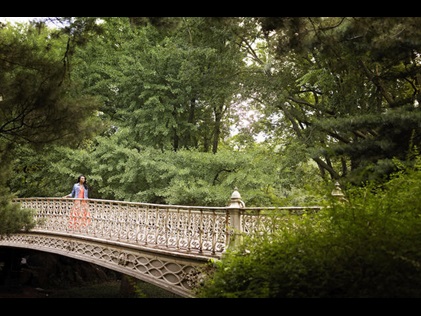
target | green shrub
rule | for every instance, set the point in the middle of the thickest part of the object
(368, 246)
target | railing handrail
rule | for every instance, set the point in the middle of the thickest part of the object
(205, 230)
(224, 208)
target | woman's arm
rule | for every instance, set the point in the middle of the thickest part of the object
(72, 194)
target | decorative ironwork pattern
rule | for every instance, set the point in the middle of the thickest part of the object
(160, 244)
(178, 228)
(177, 275)
(257, 219)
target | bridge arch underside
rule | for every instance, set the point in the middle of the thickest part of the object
(176, 273)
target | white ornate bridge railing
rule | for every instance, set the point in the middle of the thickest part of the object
(207, 231)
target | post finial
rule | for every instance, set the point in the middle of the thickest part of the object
(236, 199)
(337, 191)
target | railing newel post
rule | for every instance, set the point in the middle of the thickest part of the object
(337, 192)
(235, 212)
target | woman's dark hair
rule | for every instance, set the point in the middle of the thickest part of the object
(84, 183)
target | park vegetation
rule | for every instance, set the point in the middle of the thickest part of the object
(182, 110)
(366, 246)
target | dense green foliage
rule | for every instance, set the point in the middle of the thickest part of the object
(318, 89)
(13, 218)
(346, 87)
(39, 105)
(168, 110)
(186, 177)
(366, 247)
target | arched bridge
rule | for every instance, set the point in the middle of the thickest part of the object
(165, 245)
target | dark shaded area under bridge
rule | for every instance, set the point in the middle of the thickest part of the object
(28, 273)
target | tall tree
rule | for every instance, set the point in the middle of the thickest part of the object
(39, 103)
(173, 86)
(348, 88)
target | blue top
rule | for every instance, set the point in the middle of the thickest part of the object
(76, 189)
